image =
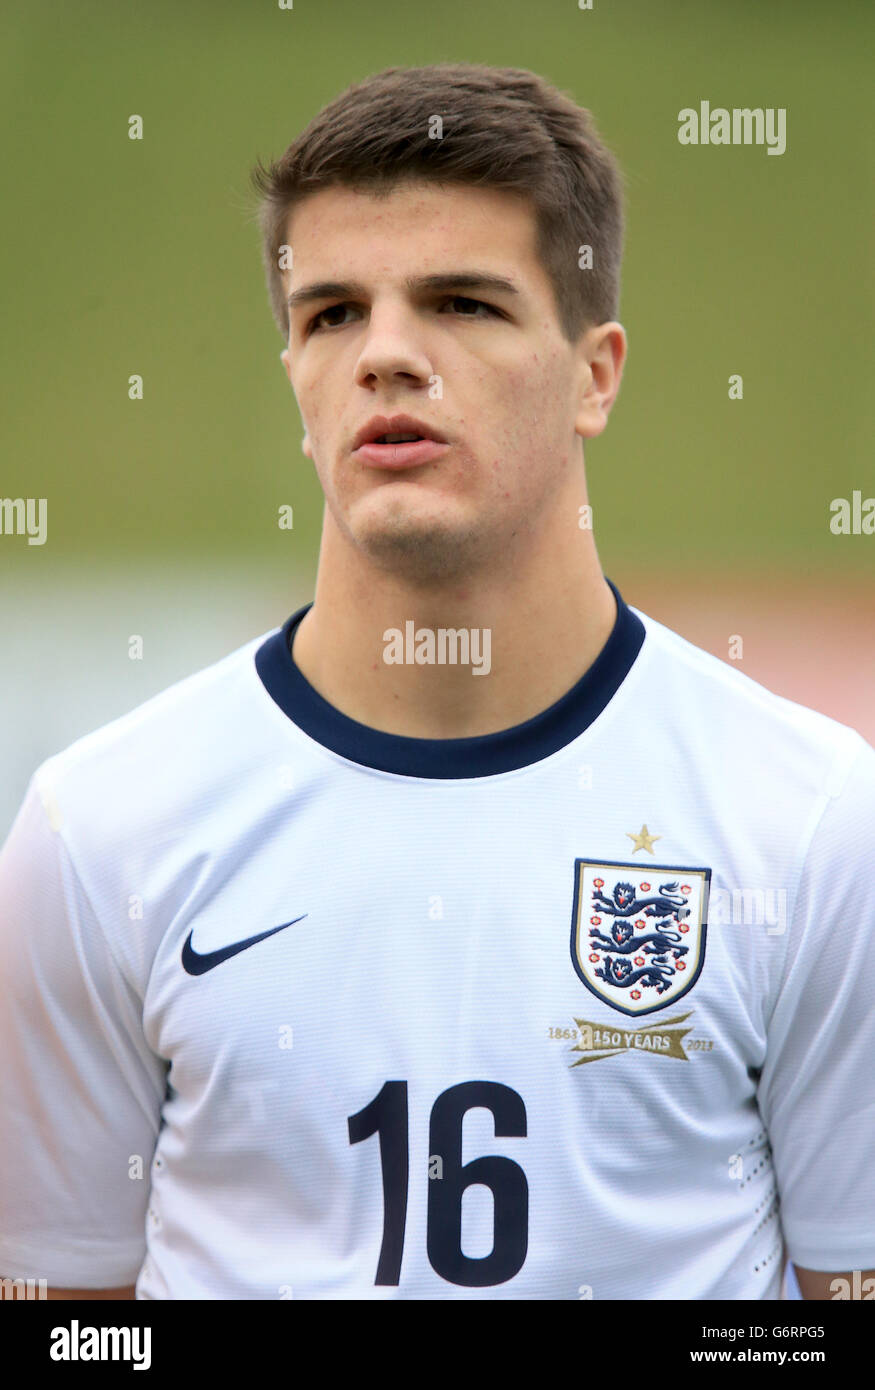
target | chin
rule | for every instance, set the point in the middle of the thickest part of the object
(419, 553)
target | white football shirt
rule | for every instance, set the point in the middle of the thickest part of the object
(294, 1008)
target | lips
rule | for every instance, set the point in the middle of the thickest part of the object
(377, 444)
(398, 456)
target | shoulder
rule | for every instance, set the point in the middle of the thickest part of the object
(749, 730)
(160, 761)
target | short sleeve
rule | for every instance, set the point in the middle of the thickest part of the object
(817, 1086)
(80, 1089)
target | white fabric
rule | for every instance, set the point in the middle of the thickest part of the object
(433, 948)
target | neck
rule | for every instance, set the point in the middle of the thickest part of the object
(542, 618)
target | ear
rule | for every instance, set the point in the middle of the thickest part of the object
(305, 442)
(601, 355)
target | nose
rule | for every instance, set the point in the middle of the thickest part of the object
(394, 349)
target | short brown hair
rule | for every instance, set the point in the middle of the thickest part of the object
(502, 128)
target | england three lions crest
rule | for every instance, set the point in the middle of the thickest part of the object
(638, 933)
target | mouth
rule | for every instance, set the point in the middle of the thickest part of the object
(398, 442)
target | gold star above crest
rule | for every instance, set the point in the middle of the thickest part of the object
(643, 840)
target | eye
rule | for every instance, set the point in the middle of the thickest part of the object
(461, 299)
(317, 323)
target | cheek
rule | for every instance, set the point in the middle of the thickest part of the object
(528, 440)
(526, 410)
(308, 404)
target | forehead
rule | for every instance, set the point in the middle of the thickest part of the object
(416, 228)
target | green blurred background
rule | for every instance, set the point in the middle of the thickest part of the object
(125, 257)
(129, 256)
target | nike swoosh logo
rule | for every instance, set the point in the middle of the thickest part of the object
(193, 963)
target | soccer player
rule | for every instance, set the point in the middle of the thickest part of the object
(470, 935)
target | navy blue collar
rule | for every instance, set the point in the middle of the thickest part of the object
(483, 756)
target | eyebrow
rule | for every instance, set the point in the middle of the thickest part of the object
(452, 280)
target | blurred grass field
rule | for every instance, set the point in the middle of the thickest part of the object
(142, 257)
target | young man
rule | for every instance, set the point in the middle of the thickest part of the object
(415, 950)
